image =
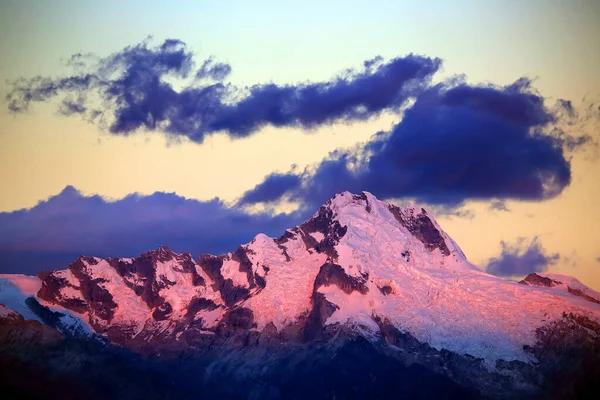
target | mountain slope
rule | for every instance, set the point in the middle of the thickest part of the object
(359, 268)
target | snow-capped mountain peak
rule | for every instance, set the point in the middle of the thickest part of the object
(358, 263)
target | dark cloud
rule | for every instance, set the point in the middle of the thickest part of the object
(133, 89)
(352, 97)
(213, 70)
(598, 259)
(271, 189)
(521, 259)
(498, 205)
(70, 224)
(457, 142)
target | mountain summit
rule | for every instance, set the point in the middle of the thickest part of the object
(360, 272)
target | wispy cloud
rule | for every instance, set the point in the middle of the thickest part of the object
(498, 205)
(132, 89)
(271, 189)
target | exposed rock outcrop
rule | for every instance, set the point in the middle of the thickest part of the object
(537, 280)
(333, 274)
(420, 225)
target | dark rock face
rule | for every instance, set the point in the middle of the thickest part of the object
(245, 264)
(260, 281)
(577, 292)
(364, 198)
(50, 291)
(99, 299)
(139, 275)
(162, 312)
(288, 235)
(537, 280)
(198, 304)
(334, 274)
(322, 222)
(51, 286)
(230, 293)
(310, 242)
(406, 255)
(283, 250)
(238, 319)
(421, 227)
(189, 266)
(53, 319)
(211, 266)
(568, 351)
(386, 290)
(314, 325)
(332, 231)
(50, 318)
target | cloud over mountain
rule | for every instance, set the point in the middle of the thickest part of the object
(70, 224)
(457, 142)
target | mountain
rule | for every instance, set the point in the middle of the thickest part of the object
(364, 300)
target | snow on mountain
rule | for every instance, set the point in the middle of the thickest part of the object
(289, 271)
(562, 282)
(357, 262)
(14, 289)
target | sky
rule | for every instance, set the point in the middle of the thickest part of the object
(199, 124)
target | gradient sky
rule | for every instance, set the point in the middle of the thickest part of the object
(555, 43)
